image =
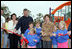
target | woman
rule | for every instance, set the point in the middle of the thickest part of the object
(6, 40)
(47, 29)
(11, 25)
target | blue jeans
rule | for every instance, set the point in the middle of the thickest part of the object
(39, 45)
(1, 37)
(6, 40)
(54, 46)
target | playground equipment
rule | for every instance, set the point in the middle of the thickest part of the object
(61, 13)
(62, 16)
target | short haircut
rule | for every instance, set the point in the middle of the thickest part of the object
(25, 10)
(7, 19)
(37, 21)
(31, 22)
(12, 15)
(46, 15)
(1, 8)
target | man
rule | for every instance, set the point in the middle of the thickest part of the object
(2, 22)
(6, 40)
(23, 22)
(47, 29)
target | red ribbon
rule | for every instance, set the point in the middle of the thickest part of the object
(24, 39)
(63, 34)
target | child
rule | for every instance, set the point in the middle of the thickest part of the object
(32, 38)
(54, 37)
(62, 40)
(38, 30)
(28, 30)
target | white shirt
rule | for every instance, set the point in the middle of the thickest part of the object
(11, 27)
(19, 31)
(2, 21)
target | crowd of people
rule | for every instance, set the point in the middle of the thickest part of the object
(46, 36)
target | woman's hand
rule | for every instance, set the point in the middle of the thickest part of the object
(42, 33)
(53, 34)
(14, 30)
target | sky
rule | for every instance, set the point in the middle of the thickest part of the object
(34, 6)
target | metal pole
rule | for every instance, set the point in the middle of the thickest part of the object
(65, 13)
(50, 13)
(52, 17)
(58, 17)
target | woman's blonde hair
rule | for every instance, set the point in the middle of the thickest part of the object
(63, 23)
(34, 31)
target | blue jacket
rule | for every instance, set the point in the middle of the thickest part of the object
(38, 30)
(62, 39)
(30, 39)
(26, 32)
(54, 38)
(69, 29)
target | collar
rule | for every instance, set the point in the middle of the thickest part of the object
(32, 34)
(29, 28)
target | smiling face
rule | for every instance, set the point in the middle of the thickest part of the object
(37, 24)
(2, 12)
(62, 25)
(14, 17)
(47, 18)
(25, 13)
(32, 30)
(31, 25)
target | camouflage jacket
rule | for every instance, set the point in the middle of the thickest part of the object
(47, 29)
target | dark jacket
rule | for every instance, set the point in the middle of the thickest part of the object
(69, 29)
(23, 23)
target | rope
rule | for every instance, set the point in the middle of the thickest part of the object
(24, 39)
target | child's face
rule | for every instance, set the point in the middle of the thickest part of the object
(31, 25)
(61, 26)
(31, 32)
(37, 25)
(55, 27)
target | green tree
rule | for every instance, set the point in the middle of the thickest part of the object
(40, 15)
(6, 11)
(68, 15)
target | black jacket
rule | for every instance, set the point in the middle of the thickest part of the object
(23, 23)
(69, 29)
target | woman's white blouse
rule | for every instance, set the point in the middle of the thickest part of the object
(11, 26)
